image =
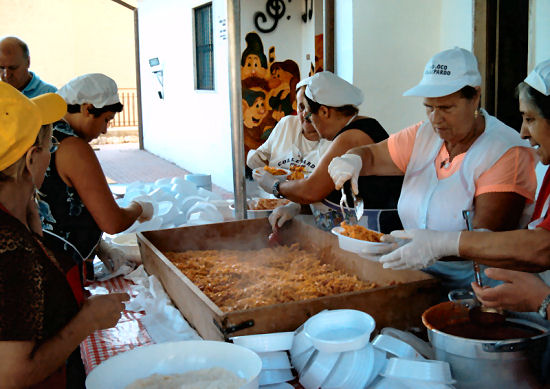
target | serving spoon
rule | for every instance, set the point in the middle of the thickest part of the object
(479, 313)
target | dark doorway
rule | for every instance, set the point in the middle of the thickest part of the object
(501, 43)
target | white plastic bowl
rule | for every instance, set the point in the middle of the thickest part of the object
(395, 347)
(270, 376)
(259, 171)
(175, 357)
(317, 369)
(357, 245)
(300, 343)
(275, 360)
(277, 341)
(300, 361)
(353, 369)
(282, 385)
(339, 330)
(438, 372)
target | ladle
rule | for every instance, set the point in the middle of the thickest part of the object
(478, 313)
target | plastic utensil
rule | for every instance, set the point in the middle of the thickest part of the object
(359, 206)
(317, 369)
(274, 239)
(275, 360)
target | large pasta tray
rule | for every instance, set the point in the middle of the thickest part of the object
(398, 302)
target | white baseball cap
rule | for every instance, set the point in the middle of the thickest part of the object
(539, 78)
(94, 88)
(447, 72)
(328, 89)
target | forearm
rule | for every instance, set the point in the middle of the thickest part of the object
(121, 219)
(50, 356)
(525, 250)
(304, 191)
(376, 160)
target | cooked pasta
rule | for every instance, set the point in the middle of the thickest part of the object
(243, 279)
(263, 204)
(275, 171)
(360, 232)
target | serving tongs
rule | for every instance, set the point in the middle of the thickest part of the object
(358, 204)
(479, 313)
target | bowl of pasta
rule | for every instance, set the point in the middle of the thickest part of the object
(192, 363)
(360, 240)
(278, 173)
(261, 207)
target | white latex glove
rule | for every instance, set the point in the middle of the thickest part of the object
(284, 213)
(346, 167)
(256, 158)
(424, 249)
(375, 253)
(265, 180)
(147, 210)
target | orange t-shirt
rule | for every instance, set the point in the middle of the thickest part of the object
(513, 172)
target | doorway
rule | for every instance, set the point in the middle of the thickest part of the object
(501, 46)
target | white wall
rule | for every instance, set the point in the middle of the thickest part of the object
(291, 38)
(539, 32)
(190, 128)
(384, 50)
(67, 38)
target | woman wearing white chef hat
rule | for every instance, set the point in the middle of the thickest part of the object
(528, 249)
(78, 205)
(333, 111)
(461, 158)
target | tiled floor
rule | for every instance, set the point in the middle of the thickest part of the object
(125, 163)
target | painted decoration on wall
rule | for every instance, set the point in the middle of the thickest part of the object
(268, 90)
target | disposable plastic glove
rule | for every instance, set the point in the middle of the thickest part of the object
(423, 250)
(344, 168)
(256, 158)
(147, 211)
(265, 180)
(284, 213)
(375, 253)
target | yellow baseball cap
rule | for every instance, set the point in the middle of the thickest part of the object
(21, 119)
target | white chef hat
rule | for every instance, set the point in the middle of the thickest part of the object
(328, 89)
(539, 78)
(94, 88)
(447, 72)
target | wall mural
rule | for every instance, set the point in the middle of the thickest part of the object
(268, 90)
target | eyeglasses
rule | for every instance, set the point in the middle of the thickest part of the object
(54, 144)
(307, 117)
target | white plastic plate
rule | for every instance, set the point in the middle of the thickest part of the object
(175, 358)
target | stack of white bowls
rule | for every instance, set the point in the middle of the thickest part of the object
(272, 350)
(403, 373)
(331, 350)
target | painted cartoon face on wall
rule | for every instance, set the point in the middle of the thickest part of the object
(253, 68)
(254, 109)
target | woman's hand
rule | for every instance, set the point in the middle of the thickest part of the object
(282, 214)
(344, 168)
(521, 292)
(104, 311)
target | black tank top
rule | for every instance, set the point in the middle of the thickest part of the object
(62, 211)
(378, 192)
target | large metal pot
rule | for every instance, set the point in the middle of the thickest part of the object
(511, 363)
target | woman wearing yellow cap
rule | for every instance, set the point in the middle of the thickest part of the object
(43, 313)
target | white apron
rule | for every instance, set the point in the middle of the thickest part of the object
(429, 203)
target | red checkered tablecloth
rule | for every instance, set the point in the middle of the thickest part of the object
(126, 335)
